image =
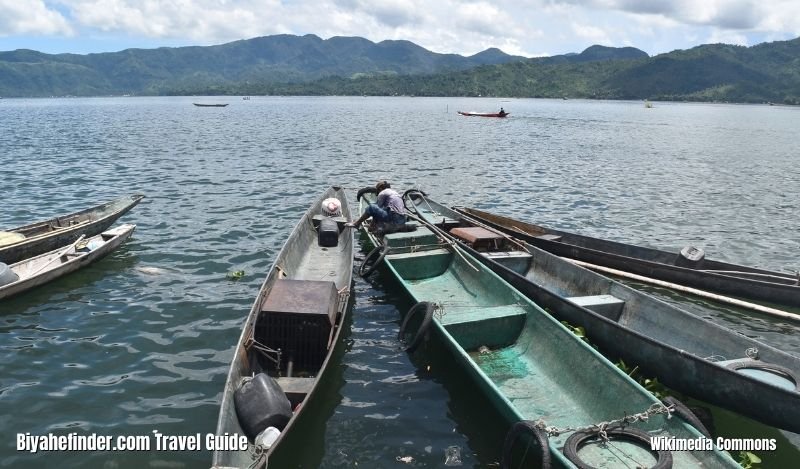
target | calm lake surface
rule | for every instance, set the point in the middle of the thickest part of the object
(142, 340)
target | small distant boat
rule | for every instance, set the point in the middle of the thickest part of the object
(22, 276)
(484, 114)
(31, 240)
(210, 105)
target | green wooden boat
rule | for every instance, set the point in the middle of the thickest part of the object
(289, 339)
(684, 351)
(541, 377)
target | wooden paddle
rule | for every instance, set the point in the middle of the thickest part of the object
(60, 254)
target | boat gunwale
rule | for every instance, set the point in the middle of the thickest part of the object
(532, 308)
(248, 330)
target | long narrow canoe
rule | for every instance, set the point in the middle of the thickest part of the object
(37, 238)
(685, 352)
(529, 365)
(289, 337)
(686, 268)
(483, 114)
(210, 105)
(38, 270)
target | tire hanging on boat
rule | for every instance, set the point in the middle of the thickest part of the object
(365, 190)
(578, 439)
(427, 308)
(521, 428)
(681, 410)
(366, 267)
(783, 372)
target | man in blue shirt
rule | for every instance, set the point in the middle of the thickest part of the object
(388, 209)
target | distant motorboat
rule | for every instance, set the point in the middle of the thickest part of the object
(210, 105)
(484, 114)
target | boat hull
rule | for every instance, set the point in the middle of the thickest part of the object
(484, 114)
(46, 267)
(530, 366)
(662, 340)
(300, 259)
(652, 263)
(47, 235)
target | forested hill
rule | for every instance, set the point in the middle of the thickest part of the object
(308, 65)
(716, 72)
(270, 59)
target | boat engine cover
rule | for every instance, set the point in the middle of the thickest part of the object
(328, 233)
(261, 403)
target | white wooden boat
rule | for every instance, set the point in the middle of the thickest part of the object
(24, 275)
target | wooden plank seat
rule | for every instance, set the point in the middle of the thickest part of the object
(492, 327)
(478, 237)
(604, 305)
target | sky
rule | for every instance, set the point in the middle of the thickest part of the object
(530, 28)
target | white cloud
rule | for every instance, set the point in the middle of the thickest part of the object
(32, 17)
(522, 27)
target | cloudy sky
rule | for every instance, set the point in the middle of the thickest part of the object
(523, 27)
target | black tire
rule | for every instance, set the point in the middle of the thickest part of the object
(518, 429)
(366, 267)
(680, 409)
(412, 191)
(427, 308)
(776, 369)
(365, 190)
(579, 439)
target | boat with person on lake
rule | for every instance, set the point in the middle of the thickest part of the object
(577, 407)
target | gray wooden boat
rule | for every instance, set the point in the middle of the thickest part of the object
(689, 267)
(289, 338)
(38, 270)
(685, 352)
(542, 379)
(37, 238)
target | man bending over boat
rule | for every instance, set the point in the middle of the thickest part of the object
(388, 209)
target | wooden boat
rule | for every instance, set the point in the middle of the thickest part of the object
(688, 267)
(289, 337)
(684, 351)
(483, 114)
(38, 270)
(37, 238)
(540, 376)
(210, 105)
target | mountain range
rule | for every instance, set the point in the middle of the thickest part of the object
(309, 65)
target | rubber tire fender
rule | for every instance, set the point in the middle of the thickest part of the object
(365, 190)
(365, 269)
(412, 191)
(427, 308)
(577, 439)
(519, 428)
(759, 365)
(681, 410)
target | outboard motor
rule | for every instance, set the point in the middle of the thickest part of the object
(328, 229)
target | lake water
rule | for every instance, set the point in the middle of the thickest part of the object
(142, 340)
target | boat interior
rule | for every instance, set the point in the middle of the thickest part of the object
(517, 351)
(613, 300)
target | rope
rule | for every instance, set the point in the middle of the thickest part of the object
(600, 428)
(265, 351)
